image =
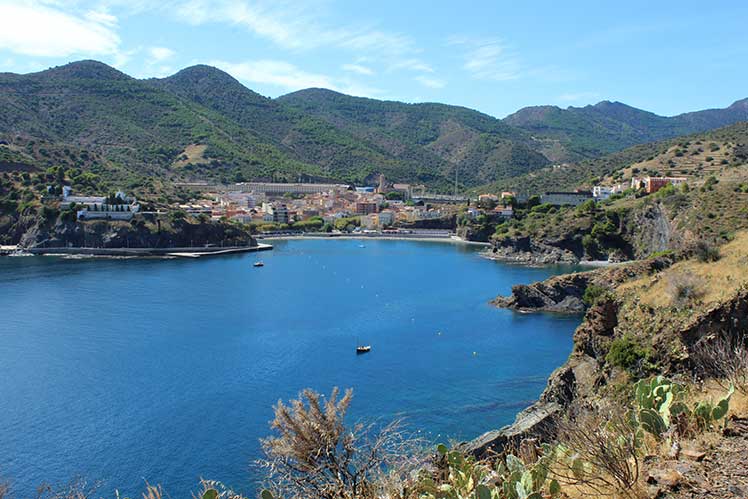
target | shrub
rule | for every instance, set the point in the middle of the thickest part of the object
(541, 208)
(663, 253)
(627, 353)
(592, 293)
(724, 357)
(600, 452)
(589, 244)
(313, 454)
(684, 289)
(705, 252)
(462, 477)
(586, 207)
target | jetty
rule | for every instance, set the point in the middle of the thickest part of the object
(8, 249)
(197, 252)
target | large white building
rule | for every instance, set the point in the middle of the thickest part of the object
(117, 207)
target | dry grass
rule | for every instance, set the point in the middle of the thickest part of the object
(716, 281)
(692, 161)
(193, 154)
(609, 447)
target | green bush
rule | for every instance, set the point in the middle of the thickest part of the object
(592, 293)
(627, 353)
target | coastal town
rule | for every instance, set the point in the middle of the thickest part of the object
(288, 208)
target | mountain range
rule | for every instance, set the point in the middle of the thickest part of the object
(577, 133)
(203, 123)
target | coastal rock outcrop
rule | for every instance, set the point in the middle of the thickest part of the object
(578, 383)
(564, 293)
(135, 234)
(530, 251)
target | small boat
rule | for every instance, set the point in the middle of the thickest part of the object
(363, 349)
(362, 246)
(258, 264)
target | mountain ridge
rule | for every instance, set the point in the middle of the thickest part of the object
(610, 126)
(201, 122)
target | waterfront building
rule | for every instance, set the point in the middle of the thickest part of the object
(275, 212)
(386, 217)
(115, 207)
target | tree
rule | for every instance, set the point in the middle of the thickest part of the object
(533, 201)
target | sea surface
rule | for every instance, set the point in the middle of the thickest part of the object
(122, 371)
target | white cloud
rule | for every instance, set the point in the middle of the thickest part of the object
(412, 65)
(288, 77)
(101, 18)
(488, 58)
(575, 97)
(276, 73)
(30, 28)
(430, 82)
(358, 69)
(159, 54)
(294, 26)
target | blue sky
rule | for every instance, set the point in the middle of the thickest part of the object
(495, 56)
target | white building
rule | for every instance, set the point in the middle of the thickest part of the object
(601, 193)
(275, 212)
(386, 217)
(120, 207)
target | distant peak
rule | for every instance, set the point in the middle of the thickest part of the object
(606, 104)
(87, 69)
(739, 104)
(202, 69)
(530, 114)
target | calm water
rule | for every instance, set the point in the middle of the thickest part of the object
(125, 370)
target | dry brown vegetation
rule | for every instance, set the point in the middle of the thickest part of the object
(609, 448)
(717, 281)
(313, 454)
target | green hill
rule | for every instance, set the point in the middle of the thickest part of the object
(438, 137)
(201, 123)
(696, 155)
(132, 123)
(338, 154)
(586, 132)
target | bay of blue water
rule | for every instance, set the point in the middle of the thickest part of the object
(121, 371)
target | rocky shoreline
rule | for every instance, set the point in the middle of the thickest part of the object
(581, 375)
(531, 253)
(565, 293)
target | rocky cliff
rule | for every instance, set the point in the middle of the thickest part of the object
(136, 234)
(565, 293)
(641, 313)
